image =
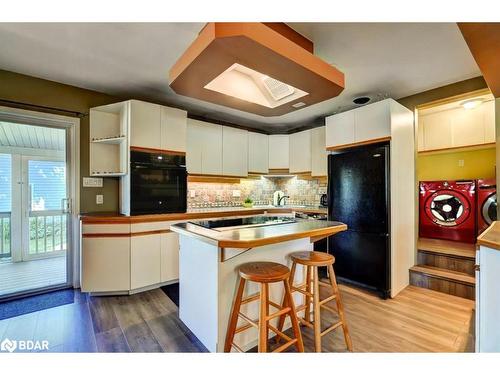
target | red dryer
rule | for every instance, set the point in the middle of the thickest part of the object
(486, 203)
(448, 210)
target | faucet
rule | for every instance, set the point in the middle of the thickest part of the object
(282, 199)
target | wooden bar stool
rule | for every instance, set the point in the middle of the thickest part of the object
(311, 260)
(263, 273)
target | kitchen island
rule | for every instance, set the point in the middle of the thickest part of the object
(209, 257)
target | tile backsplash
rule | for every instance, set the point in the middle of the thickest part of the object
(301, 192)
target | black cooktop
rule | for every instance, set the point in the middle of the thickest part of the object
(244, 221)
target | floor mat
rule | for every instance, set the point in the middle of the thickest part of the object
(172, 291)
(31, 304)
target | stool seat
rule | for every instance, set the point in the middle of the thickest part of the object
(312, 258)
(264, 272)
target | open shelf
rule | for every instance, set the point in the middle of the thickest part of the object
(111, 140)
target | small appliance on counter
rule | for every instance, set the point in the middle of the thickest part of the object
(158, 183)
(448, 210)
(486, 203)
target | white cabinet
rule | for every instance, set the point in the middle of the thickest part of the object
(340, 129)
(279, 152)
(234, 152)
(194, 146)
(169, 257)
(258, 153)
(319, 155)
(145, 260)
(204, 148)
(173, 129)
(300, 152)
(456, 127)
(371, 122)
(145, 120)
(105, 264)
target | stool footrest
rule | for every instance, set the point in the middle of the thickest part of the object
(336, 325)
(279, 333)
(331, 309)
(284, 346)
(328, 299)
(286, 310)
(243, 328)
(305, 292)
(253, 323)
(305, 322)
(237, 347)
(275, 305)
(250, 298)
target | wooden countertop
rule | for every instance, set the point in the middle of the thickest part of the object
(263, 235)
(491, 236)
(115, 218)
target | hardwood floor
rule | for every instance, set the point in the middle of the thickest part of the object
(417, 320)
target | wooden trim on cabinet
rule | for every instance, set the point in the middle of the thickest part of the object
(356, 144)
(157, 150)
(279, 171)
(214, 179)
(480, 146)
(131, 234)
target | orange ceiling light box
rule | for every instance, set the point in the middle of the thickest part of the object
(263, 68)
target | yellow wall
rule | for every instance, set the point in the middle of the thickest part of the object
(444, 166)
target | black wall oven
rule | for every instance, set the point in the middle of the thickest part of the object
(158, 183)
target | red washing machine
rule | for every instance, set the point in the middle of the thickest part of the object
(486, 203)
(448, 210)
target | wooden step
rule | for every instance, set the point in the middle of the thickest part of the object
(442, 280)
(450, 248)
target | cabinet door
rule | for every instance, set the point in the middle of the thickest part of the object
(145, 119)
(211, 153)
(194, 147)
(173, 129)
(372, 121)
(340, 129)
(489, 121)
(467, 126)
(258, 153)
(169, 262)
(437, 131)
(145, 260)
(234, 152)
(319, 155)
(105, 264)
(420, 135)
(300, 152)
(279, 152)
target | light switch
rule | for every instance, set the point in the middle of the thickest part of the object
(236, 193)
(192, 193)
(92, 182)
(461, 163)
(99, 199)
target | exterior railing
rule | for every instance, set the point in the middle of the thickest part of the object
(47, 232)
(5, 235)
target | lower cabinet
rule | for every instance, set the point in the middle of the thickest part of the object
(105, 265)
(169, 257)
(145, 260)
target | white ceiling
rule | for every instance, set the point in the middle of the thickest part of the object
(133, 59)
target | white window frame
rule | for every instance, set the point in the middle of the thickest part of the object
(72, 125)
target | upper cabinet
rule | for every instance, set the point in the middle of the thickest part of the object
(234, 152)
(156, 127)
(173, 129)
(369, 123)
(279, 152)
(145, 125)
(451, 127)
(319, 155)
(258, 153)
(204, 148)
(300, 152)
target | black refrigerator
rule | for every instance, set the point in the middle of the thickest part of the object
(359, 188)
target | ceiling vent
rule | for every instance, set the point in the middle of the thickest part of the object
(261, 68)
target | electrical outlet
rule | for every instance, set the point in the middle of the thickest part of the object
(236, 193)
(461, 163)
(192, 193)
(99, 199)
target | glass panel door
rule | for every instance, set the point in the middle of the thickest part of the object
(5, 206)
(45, 197)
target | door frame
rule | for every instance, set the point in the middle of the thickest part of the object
(72, 126)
